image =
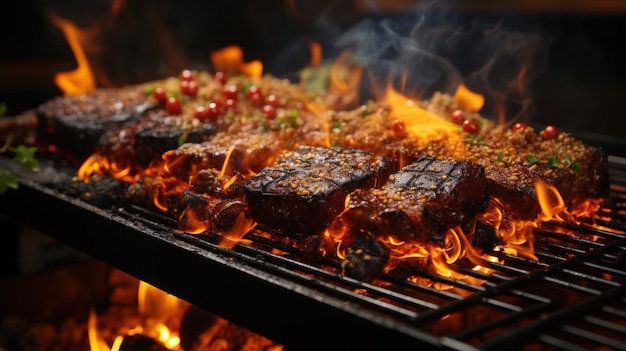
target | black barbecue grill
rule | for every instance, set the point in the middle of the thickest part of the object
(572, 298)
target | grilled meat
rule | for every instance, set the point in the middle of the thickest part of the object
(514, 160)
(305, 189)
(421, 201)
(75, 123)
(138, 143)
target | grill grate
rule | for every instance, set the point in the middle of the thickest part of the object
(571, 298)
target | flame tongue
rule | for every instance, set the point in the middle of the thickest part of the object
(80, 80)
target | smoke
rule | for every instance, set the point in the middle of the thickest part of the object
(430, 49)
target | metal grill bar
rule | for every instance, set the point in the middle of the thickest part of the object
(519, 303)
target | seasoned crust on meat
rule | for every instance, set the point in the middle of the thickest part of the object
(305, 189)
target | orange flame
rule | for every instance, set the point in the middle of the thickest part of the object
(316, 53)
(81, 80)
(230, 60)
(467, 99)
(157, 308)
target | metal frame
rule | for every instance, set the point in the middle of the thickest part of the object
(572, 298)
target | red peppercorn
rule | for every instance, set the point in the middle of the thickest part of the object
(214, 110)
(189, 87)
(255, 96)
(549, 133)
(470, 126)
(272, 100)
(230, 91)
(398, 127)
(173, 106)
(269, 111)
(457, 116)
(202, 113)
(220, 77)
(519, 126)
(186, 75)
(160, 95)
(230, 104)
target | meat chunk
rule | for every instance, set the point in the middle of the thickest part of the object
(306, 189)
(421, 201)
(141, 141)
(75, 123)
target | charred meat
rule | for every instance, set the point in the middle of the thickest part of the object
(306, 189)
(421, 201)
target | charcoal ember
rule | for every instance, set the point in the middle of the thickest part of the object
(365, 258)
(227, 215)
(485, 238)
(421, 201)
(100, 191)
(306, 188)
(75, 123)
(213, 183)
(140, 342)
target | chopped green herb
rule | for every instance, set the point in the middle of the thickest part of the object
(553, 161)
(149, 90)
(182, 139)
(574, 165)
(533, 159)
(500, 156)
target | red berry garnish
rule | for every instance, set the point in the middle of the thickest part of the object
(220, 77)
(214, 110)
(269, 111)
(230, 91)
(160, 95)
(186, 75)
(519, 126)
(230, 104)
(255, 95)
(173, 106)
(189, 87)
(202, 113)
(457, 116)
(549, 133)
(470, 126)
(398, 127)
(272, 100)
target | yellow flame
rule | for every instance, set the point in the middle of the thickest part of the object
(95, 341)
(230, 60)
(467, 99)
(81, 80)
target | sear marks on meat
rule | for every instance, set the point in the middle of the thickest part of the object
(421, 201)
(75, 123)
(306, 189)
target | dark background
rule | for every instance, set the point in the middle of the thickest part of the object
(575, 79)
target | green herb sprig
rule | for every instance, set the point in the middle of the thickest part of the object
(23, 155)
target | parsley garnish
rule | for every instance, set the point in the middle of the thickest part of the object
(533, 159)
(574, 165)
(24, 155)
(553, 161)
(500, 156)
